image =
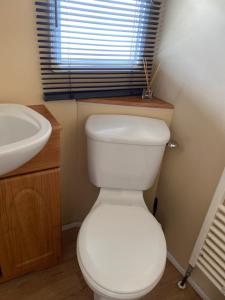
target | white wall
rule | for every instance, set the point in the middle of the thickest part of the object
(192, 77)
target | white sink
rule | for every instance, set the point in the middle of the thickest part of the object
(23, 134)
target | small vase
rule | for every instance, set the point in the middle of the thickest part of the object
(146, 95)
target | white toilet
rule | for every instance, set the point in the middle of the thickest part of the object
(121, 247)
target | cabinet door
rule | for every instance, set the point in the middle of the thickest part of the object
(29, 223)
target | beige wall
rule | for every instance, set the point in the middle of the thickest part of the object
(192, 76)
(20, 82)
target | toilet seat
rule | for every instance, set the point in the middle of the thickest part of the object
(121, 250)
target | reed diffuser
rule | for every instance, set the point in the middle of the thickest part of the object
(147, 92)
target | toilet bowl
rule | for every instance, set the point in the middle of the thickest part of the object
(121, 247)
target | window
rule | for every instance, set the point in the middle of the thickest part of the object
(92, 48)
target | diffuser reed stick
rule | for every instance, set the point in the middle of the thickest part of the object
(149, 80)
(147, 77)
(154, 74)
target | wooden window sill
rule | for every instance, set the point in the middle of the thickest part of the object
(131, 101)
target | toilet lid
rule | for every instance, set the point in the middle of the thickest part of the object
(122, 248)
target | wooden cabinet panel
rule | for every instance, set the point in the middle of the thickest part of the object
(29, 222)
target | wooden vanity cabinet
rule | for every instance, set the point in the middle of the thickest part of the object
(30, 227)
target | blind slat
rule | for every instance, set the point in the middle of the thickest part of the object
(47, 3)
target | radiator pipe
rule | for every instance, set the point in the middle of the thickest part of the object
(182, 283)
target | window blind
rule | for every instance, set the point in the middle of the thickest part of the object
(92, 48)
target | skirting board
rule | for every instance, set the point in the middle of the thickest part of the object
(71, 225)
(181, 270)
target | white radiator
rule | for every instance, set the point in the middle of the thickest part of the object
(209, 250)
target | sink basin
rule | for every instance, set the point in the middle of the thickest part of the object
(23, 134)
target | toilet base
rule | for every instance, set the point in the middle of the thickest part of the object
(100, 297)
